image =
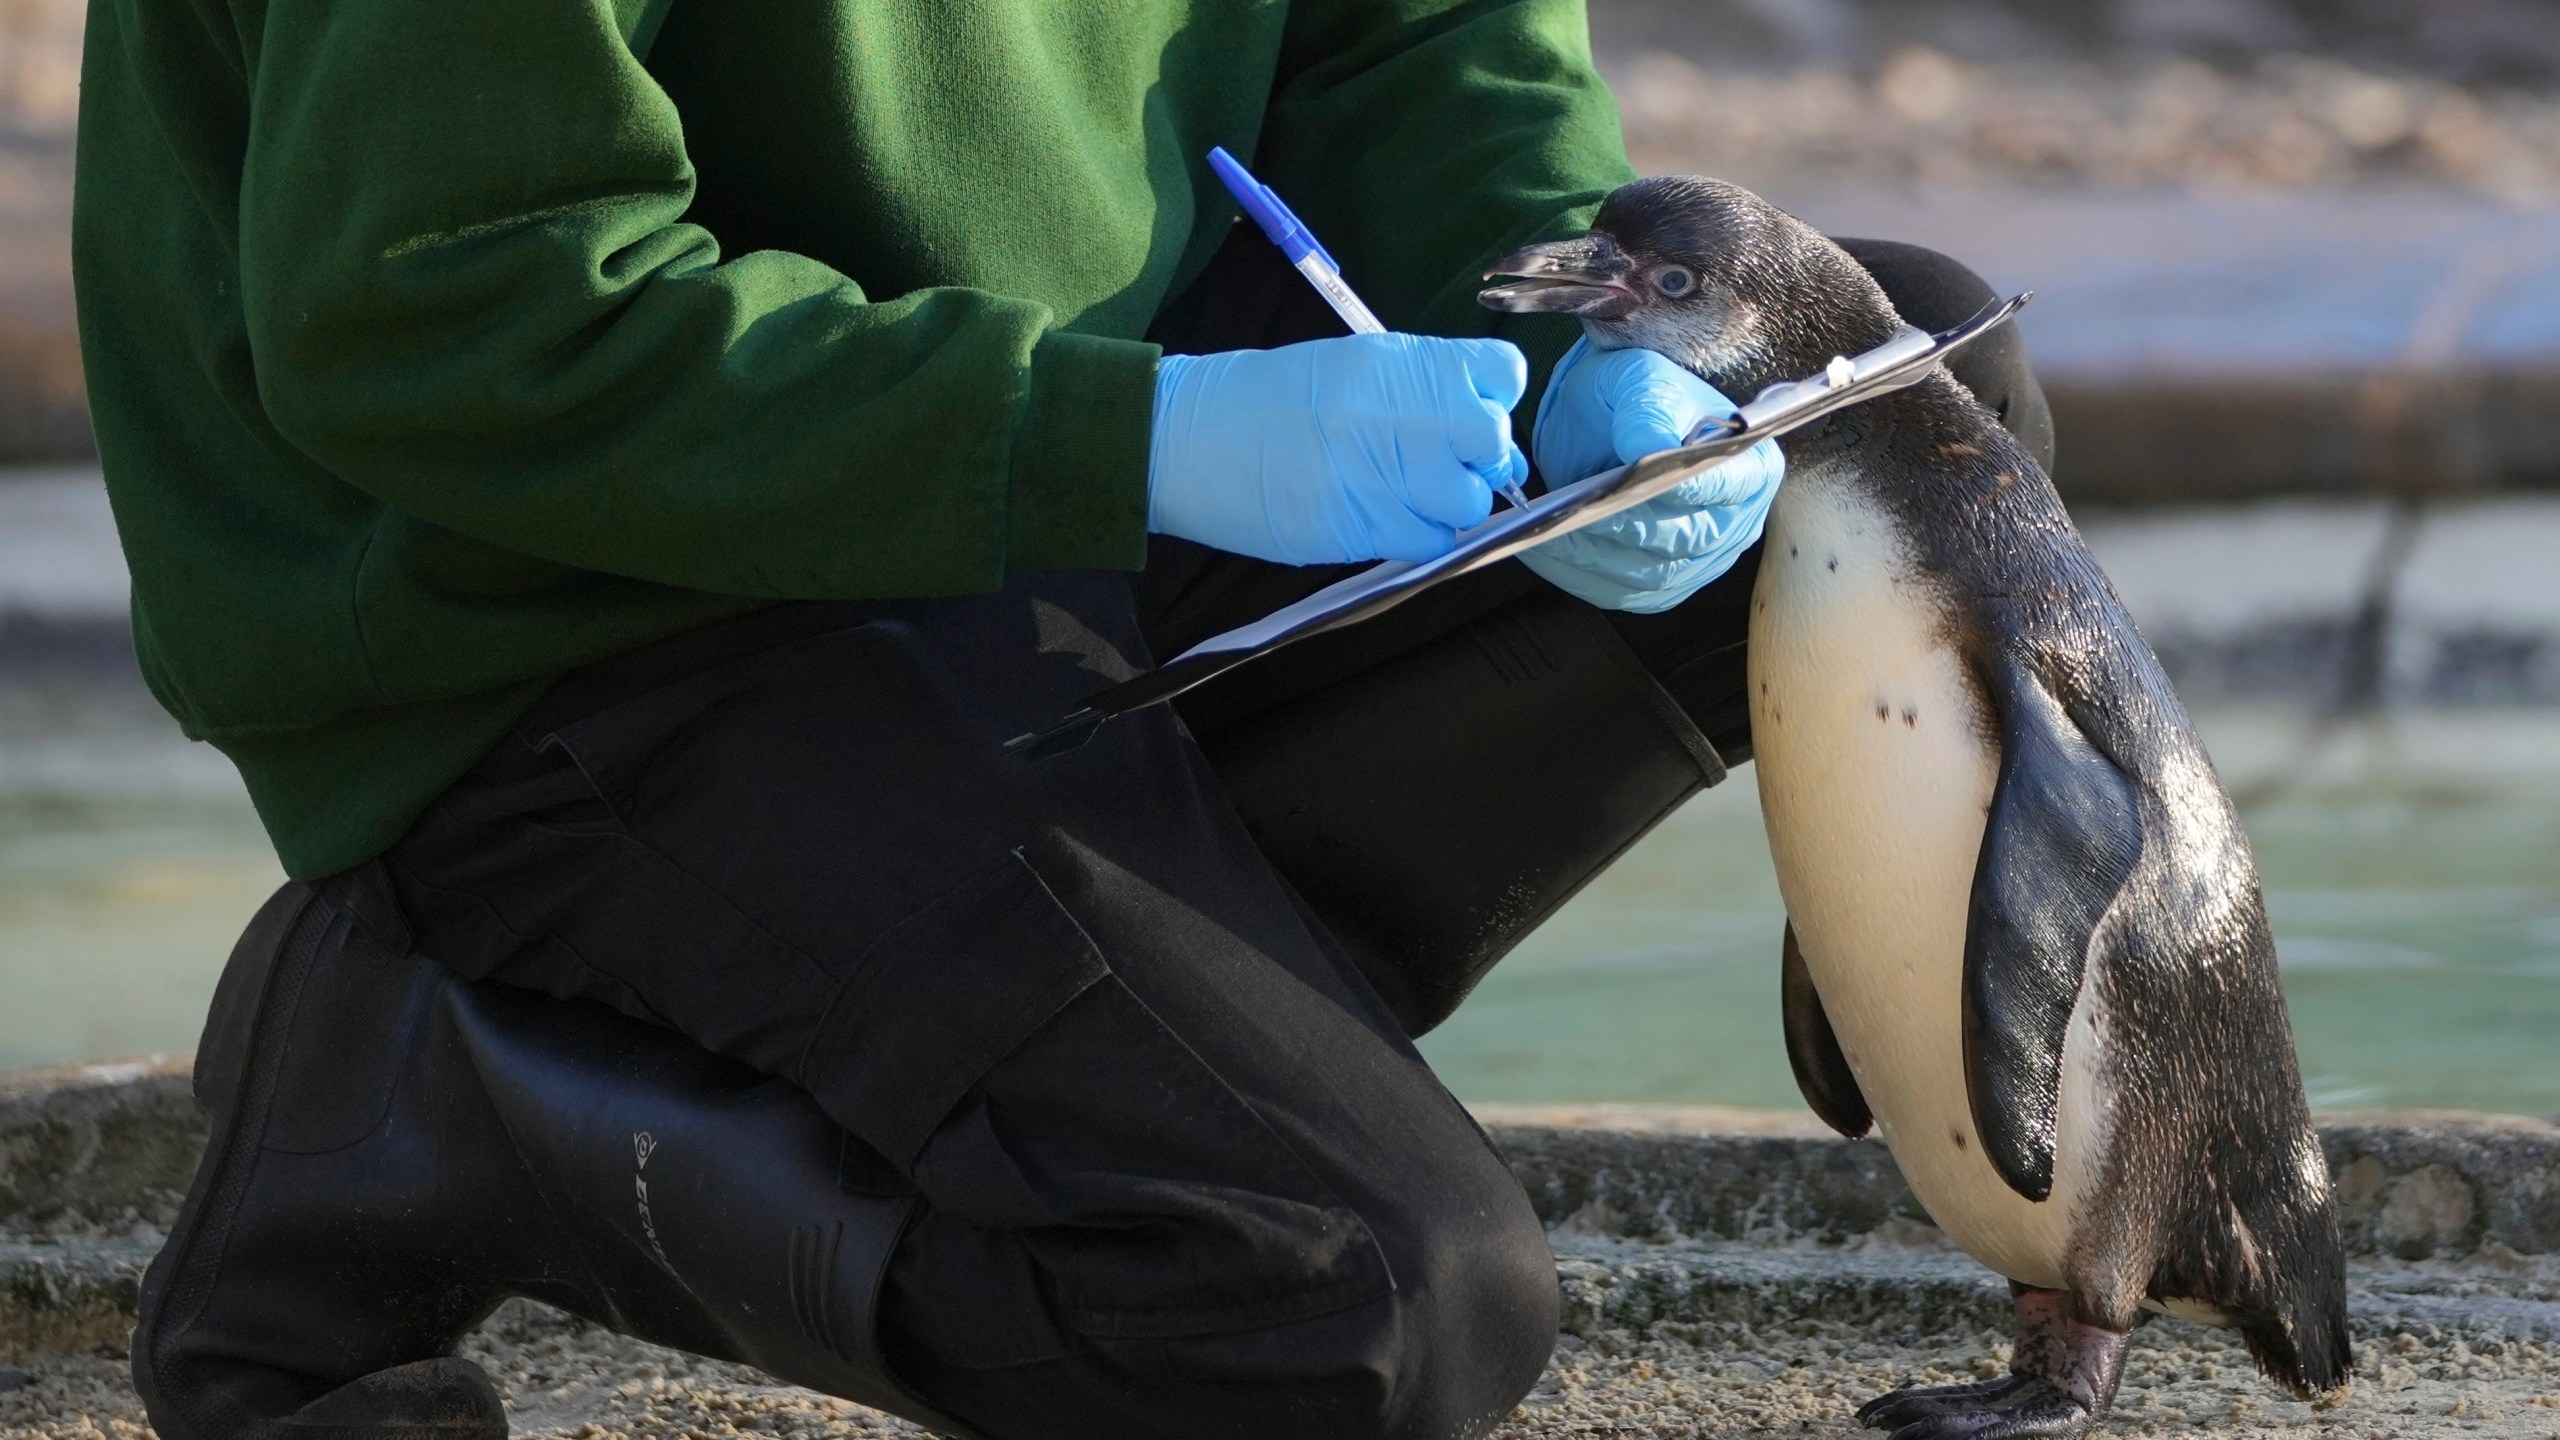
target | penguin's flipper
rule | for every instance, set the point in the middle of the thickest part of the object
(2062, 838)
(1813, 1051)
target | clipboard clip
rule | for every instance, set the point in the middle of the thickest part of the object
(1778, 410)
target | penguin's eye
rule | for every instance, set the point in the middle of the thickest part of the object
(1674, 281)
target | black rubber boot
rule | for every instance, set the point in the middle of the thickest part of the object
(1355, 791)
(395, 1151)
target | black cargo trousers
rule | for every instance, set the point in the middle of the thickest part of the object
(1133, 1020)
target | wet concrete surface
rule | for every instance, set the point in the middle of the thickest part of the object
(2453, 602)
(2499, 42)
(59, 557)
(2203, 347)
(2227, 286)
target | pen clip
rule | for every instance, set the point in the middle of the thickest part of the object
(1286, 230)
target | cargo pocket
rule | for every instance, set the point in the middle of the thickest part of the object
(986, 1047)
(935, 1002)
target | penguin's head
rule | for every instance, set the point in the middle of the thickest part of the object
(1708, 274)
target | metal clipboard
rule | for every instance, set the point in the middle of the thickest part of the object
(1897, 363)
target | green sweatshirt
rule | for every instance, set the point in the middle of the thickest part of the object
(439, 346)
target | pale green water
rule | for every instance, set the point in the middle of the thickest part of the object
(2414, 878)
(114, 918)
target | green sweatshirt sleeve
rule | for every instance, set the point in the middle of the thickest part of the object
(470, 294)
(1431, 137)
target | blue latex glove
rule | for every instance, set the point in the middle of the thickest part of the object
(1366, 447)
(1607, 407)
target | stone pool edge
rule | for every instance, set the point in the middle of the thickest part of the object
(94, 1158)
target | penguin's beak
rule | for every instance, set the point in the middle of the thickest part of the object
(1576, 277)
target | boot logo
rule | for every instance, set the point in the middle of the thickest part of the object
(644, 1145)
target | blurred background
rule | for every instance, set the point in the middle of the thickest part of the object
(2298, 275)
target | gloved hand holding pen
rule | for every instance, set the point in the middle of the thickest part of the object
(1376, 446)
(1364, 447)
(1383, 446)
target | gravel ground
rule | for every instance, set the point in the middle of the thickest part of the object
(1676, 1381)
(565, 1378)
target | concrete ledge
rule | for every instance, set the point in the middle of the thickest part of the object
(81, 1294)
(101, 1149)
(1660, 1214)
(1915, 1288)
(2419, 1183)
(2432, 435)
(2412, 1184)
(96, 1148)
(1666, 1183)
(1612, 1284)
(70, 1295)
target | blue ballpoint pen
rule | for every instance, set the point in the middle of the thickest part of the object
(1310, 258)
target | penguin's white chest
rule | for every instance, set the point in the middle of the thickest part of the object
(1876, 765)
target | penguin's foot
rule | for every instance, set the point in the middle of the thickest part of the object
(2062, 1379)
(2010, 1408)
(1914, 1402)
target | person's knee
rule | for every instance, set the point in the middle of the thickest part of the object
(1459, 1327)
(1473, 1319)
(1487, 1324)
(1465, 1333)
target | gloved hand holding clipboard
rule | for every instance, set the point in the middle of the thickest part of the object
(1848, 380)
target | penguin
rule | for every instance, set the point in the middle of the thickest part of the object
(2026, 940)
